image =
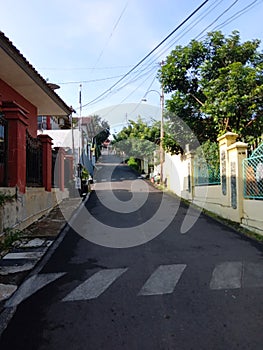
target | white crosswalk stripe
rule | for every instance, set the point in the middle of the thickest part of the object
(25, 255)
(237, 274)
(163, 280)
(95, 285)
(252, 275)
(32, 285)
(227, 275)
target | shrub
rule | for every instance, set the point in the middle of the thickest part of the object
(132, 162)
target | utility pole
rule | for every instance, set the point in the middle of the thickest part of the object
(161, 135)
(79, 123)
(78, 167)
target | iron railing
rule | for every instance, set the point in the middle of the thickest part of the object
(206, 174)
(253, 174)
(34, 176)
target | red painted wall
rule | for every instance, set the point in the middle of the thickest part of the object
(7, 93)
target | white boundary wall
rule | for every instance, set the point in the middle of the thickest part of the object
(178, 175)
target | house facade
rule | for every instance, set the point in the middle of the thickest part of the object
(25, 156)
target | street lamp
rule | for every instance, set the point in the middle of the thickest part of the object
(161, 95)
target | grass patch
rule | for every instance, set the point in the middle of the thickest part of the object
(236, 226)
(10, 236)
(5, 198)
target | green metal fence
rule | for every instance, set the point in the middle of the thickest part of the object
(206, 174)
(253, 174)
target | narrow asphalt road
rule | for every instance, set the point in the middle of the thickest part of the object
(138, 270)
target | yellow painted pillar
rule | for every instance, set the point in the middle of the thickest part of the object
(225, 141)
(236, 153)
(191, 176)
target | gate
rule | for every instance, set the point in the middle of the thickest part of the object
(34, 177)
(253, 174)
(3, 150)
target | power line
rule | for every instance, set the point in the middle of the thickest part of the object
(185, 31)
(143, 82)
(139, 103)
(139, 74)
(110, 36)
(238, 14)
(210, 8)
(138, 77)
(131, 93)
(88, 81)
(149, 54)
(191, 25)
(84, 68)
(134, 79)
(217, 18)
(153, 61)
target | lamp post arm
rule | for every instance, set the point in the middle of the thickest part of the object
(161, 95)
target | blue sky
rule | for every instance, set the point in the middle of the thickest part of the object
(96, 42)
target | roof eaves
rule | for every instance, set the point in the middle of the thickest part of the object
(23, 63)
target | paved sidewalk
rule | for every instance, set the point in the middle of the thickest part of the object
(35, 241)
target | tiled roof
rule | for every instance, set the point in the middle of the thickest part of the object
(7, 45)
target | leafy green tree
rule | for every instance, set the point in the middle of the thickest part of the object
(216, 85)
(100, 128)
(207, 158)
(138, 140)
(98, 132)
(133, 163)
(97, 128)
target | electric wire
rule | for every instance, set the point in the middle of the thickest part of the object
(149, 74)
(153, 61)
(212, 7)
(137, 75)
(149, 54)
(89, 81)
(171, 42)
(85, 68)
(112, 92)
(217, 18)
(209, 9)
(191, 25)
(110, 36)
(237, 14)
(188, 28)
(140, 102)
(130, 94)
